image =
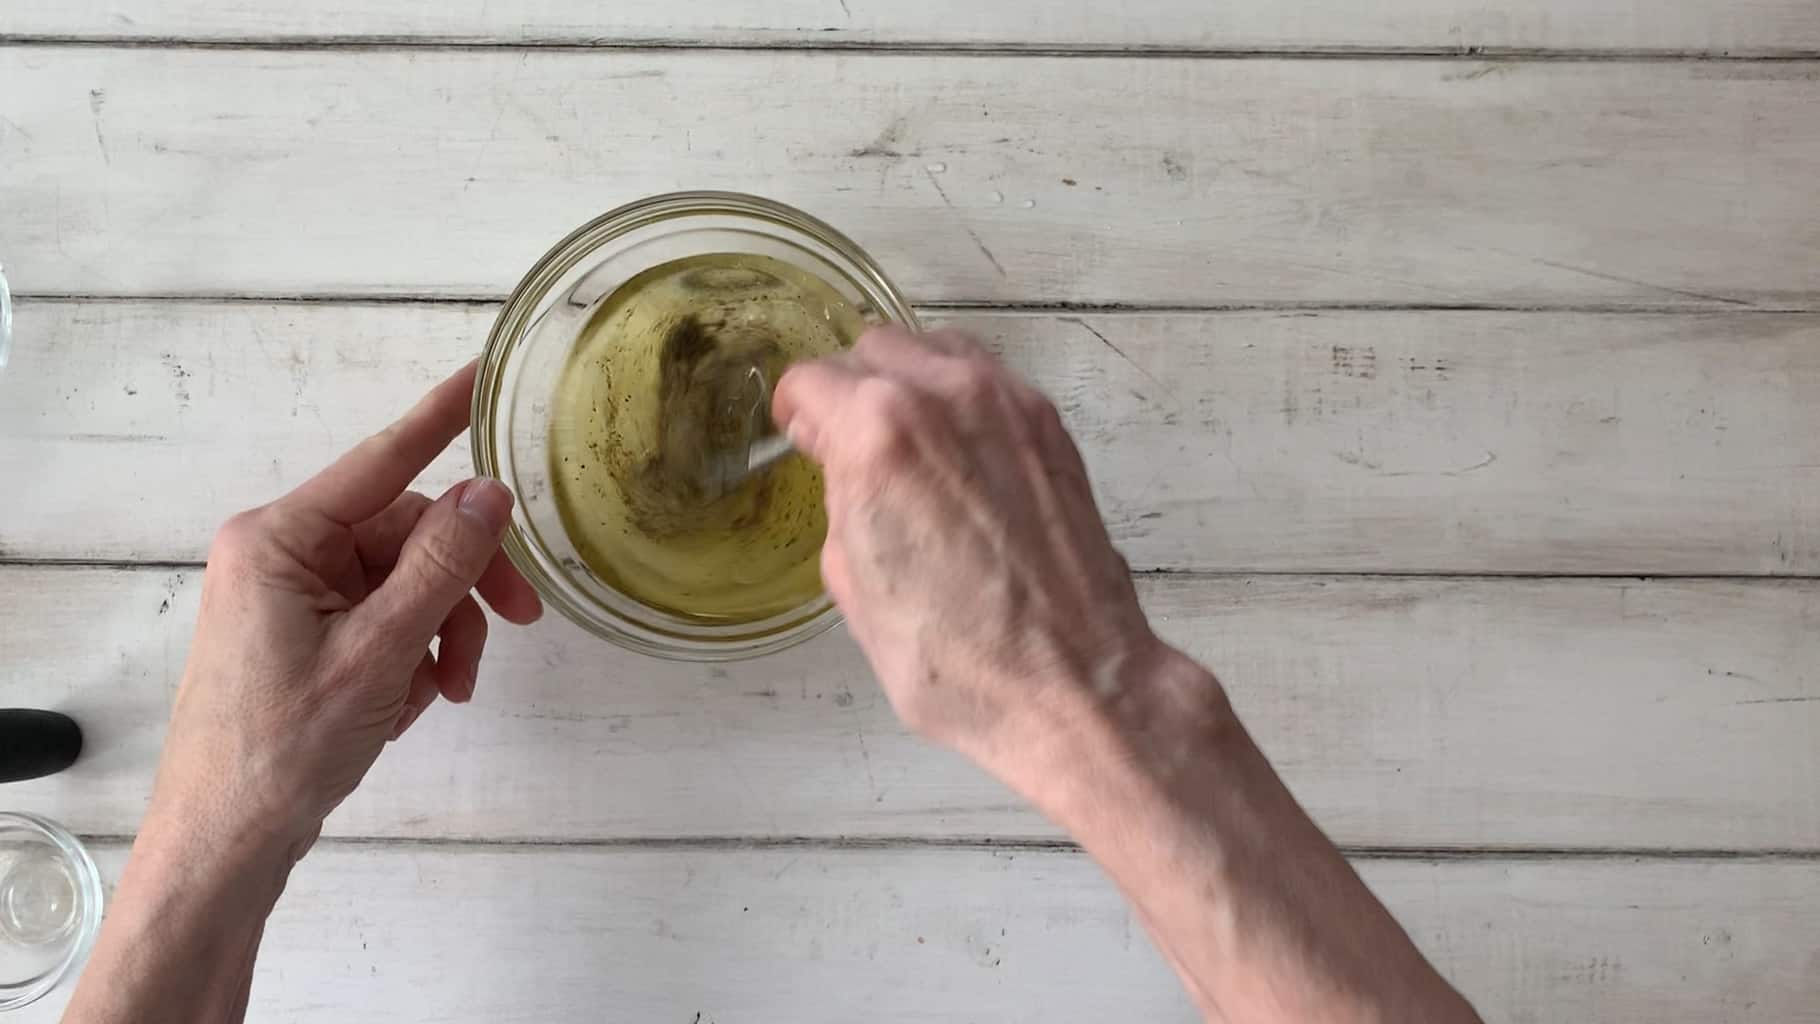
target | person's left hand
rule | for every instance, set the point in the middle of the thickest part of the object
(313, 646)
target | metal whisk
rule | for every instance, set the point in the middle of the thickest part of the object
(760, 446)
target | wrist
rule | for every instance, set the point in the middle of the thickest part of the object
(1132, 728)
(184, 924)
(228, 805)
(206, 857)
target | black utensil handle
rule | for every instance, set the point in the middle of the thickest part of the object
(36, 743)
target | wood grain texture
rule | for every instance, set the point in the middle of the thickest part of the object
(1414, 713)
(554, 934)
(1114, 180)
(1409, 713)
(1678, 26)
(1455, 442)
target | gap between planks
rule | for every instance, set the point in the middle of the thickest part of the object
(1029, 845)
(911, 47)
(9, 562)
(972, 308)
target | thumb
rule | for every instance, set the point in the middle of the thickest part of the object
(441, 560)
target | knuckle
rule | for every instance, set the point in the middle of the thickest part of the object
(893, 413)
(883, 334)
(871, 334)
(441, 561)
(442, 558)
(240, 533)
(977, 380)
(1039, 412)
(886, 399)
(882, 442)
(958, 342)
(1043, 413)
(388, 436)
(357, 657)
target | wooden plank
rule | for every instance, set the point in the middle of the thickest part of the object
(566, 934)
(147, 423)
(1404, 712)
(1445, 442)
(1168, 181)
(1683, 26)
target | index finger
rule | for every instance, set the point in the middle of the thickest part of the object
(360, 484)
(810, 396)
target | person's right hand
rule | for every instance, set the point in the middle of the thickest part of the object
(964, 546)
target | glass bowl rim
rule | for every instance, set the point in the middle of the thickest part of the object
(88, 878)
(515, 316)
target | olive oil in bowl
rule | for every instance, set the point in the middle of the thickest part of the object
(673, 368)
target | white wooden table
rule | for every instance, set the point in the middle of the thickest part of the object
(1450, 372)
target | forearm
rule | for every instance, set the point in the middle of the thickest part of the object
(1257, 910)
(184, 927)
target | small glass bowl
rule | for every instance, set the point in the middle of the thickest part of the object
(50, 907)
(530, 345)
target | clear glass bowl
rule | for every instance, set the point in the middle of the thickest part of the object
(530, 345)
(50, 907)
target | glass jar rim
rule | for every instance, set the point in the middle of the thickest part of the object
(516, 316)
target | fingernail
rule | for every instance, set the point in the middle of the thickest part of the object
(488, 501)
(405, 718)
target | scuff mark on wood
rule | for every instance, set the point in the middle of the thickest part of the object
(1360, 362)
(885, 145)
(1476, 73)
(14, 125)
(179, 377)
(1490, 457)
(943, 193)
(1358, 459)
(120, 438)
(1634, 282)
(1089, 328)
(865, 757)
(95, 98)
